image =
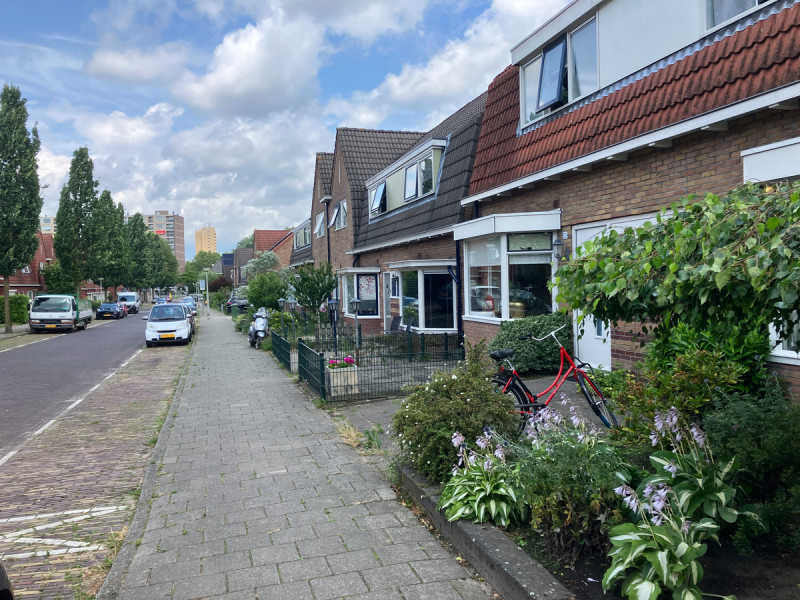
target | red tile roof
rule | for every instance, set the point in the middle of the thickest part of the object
(267, 239)
(761, 57)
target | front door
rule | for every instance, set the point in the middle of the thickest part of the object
(594, 346)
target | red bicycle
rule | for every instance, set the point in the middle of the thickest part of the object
(528, 403)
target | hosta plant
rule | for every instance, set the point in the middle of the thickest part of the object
(483, 486)
(676, 510)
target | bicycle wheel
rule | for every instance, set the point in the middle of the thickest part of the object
(522, 406)
(596, 399)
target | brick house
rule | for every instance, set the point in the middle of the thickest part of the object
(29, 280)
(403, 230)
(337, 208)
(581, 134)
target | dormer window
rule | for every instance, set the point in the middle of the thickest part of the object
(419, 179)
(378, 199)
(724, 10)
(564, 71)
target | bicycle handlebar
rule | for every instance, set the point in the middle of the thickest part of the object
(530, 336)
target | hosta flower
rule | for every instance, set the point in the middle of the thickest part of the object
(671, 467)
(654, 437)
(499, 452)
(487, 464)
(672, 418)
(482, 442)
(685, 526)
(698, 435)
(457, 439)
(658, 420)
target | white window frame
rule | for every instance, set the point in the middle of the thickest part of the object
(348, 294)
(374, 199)
(339, 218)
(319, 228)
(502, 240)
(564, 41)
(713, 23)
(417, 167)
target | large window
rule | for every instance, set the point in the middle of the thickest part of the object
(722, 10)
(519, 263)
(365, 288)
(483, 263)
(302, 236)
(564, 71)
(428, 299)
(377, 199)
(339, 217)
(319, 228)
(419, 179)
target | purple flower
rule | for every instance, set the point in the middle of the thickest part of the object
(654, 437)
(500, 453)
(487, 464)
(698, 435)
(657, 519)
(457, 439)
(659, 498)
(658, 420)
(671, 467)
(482, 442)
(574, 416)
(685, 526)
(672, 418)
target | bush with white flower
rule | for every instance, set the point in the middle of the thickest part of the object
(465, 400)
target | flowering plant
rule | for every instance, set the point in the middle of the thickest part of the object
(483, 487)
(335, 363)
(677, 508)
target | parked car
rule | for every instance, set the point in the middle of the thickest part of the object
(6, 589)
(190, 313)
(109, 310)
(168, 323)
(130, 300)
(190, 301)
(240, 302)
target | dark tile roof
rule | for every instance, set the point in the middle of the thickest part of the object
(241, 256)
(325, 171)
(366, 152)
(443, 208)
(300, 255)
(762, 56)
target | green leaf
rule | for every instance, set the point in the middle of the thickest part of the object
(639, 588)
(721, 279)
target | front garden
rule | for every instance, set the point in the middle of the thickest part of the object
(706, 453)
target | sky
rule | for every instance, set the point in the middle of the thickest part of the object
(215, 109)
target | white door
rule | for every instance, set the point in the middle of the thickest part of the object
(594, 346)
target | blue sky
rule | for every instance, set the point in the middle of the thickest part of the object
(215, 109)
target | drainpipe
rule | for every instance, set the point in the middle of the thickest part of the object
(459, 292)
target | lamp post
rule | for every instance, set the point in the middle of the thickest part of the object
(333, 305)
(281, 302)
(355, 305)
(558, 249)
(102, 290)
(208, 306)
(291, 303)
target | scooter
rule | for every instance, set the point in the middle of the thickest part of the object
(258, 328)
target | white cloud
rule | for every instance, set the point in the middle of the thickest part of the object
(135, 65)
(117, 131)
(261, 68)
(459, 72)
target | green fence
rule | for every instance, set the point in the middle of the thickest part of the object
(282, 350)
(311, 367)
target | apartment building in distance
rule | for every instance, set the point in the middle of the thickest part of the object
(47, 224)
(205, 239)
(170, 227)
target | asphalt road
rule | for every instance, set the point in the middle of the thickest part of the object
(40, 379)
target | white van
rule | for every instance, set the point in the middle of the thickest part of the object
(129, 299)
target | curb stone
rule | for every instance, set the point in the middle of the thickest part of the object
(506, 567)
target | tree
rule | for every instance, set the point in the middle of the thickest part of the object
(247, 241)
(73, 239)
(314, 285)
(263, 263)
(204, 259)
(136, 233)
(110, 256)
(119, 263)
(55, 282)
(20, 202)
(266, 288)
(716, 260)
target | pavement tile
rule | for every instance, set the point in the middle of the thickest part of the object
(272, 555)
(337, 586)
(222, 563)
(438, 569)
(348, 562)
(365, 539)
(321, 546)
(298, 570)
(200, 587)
(202, 550)
(248, 579)
(431, 591)
(400, 553)
(298, 590)
(382, 521)
(393, 576)
(162, 591)
(172, 572)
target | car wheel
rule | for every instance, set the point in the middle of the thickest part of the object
(148, 343)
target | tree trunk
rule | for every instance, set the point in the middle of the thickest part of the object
(7, 303)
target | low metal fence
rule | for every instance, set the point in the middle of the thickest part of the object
(311, 367)
(282, 349)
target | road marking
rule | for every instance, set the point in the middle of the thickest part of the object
(21, 536)
(37, 432)
(7, 457)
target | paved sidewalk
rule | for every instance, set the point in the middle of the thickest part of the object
(256, 497)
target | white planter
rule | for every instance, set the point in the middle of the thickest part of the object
(341, 382)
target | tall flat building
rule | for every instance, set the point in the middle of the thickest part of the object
(47, 224)
(205, 239)
(170, 227)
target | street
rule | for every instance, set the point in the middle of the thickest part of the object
(51, 372)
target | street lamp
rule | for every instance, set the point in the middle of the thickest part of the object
(281, 302)
(333, 305)
(355, 305)
(102, 291)
(291, 304)
(558, 249)
(208, 306)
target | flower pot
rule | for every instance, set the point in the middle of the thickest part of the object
(341, 382)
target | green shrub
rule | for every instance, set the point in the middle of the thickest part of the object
(19, 308)
(569, 473)
(463, 400)
(762, 431)
(531, 355)
(242, 322)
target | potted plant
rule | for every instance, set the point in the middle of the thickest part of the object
(341, 377)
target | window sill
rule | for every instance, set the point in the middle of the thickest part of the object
(478, 319)
(785, 358)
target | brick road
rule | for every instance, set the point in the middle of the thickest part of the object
(72, 487)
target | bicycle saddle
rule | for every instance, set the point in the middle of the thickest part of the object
(501, 354)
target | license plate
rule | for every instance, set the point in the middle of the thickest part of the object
(105, 315)
(50, 326)
(166, 336)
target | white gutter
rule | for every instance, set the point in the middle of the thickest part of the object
(661, 137)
